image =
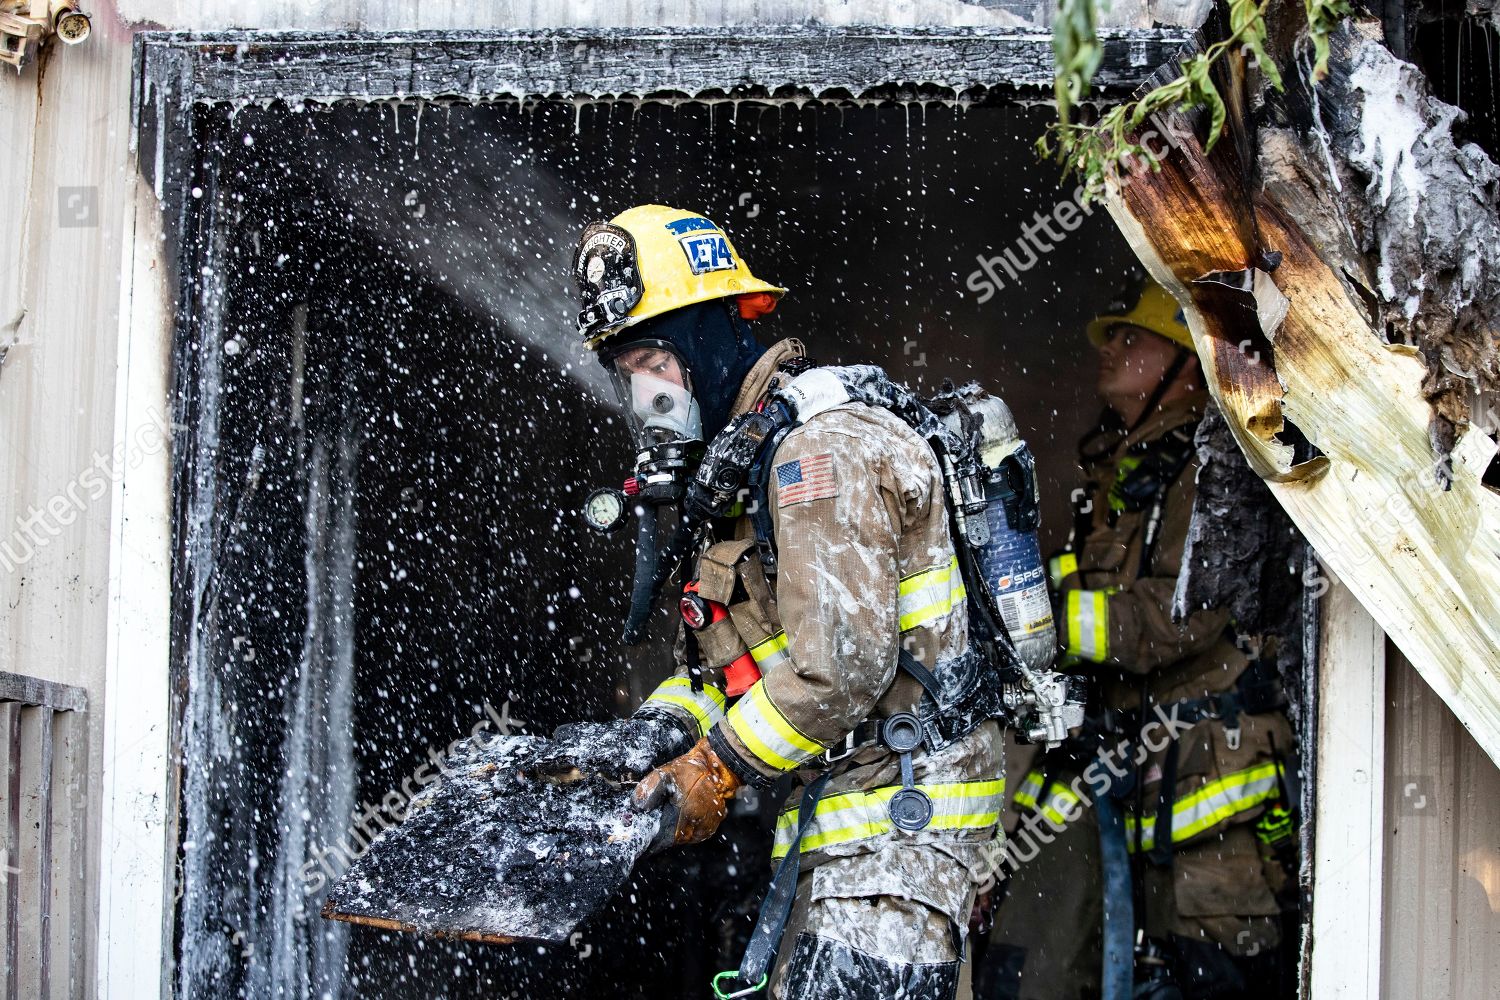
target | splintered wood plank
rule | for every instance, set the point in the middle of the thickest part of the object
(385, 924)
(1286, 341)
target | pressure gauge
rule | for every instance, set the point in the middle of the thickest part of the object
(605, 509)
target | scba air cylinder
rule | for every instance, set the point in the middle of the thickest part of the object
(1011, 560)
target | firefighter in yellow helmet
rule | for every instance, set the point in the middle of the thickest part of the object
(1197, 833)
(810, 614)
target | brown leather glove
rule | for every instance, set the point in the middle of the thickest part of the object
(696, 786)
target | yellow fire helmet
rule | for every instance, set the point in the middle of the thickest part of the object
(653, 259)
(1146, 305)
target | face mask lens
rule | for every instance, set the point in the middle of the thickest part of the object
(657, 393)
(657, 362)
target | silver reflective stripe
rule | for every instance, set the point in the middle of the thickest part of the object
(706, 706)
(1088, 624)
(852, 816)
(1211, 805)
(767, 733)
(925, 597)
(770, 653)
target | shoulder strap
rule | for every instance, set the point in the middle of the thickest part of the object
(924, 677)
(1175, 458)
(760, 953)
(760, 488)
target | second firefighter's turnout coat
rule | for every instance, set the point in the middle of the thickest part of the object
(865, 567)
(1209, 876)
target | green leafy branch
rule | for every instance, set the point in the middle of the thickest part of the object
(1322, 17)
(1096, 152)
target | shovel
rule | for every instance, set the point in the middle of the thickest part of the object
(495, 852)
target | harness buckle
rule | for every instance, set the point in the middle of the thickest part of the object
(830, 756)
(1232, 737)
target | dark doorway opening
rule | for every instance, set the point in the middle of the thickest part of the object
(396, 426)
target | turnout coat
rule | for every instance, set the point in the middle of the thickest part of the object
(1207, 875)
(865, 567)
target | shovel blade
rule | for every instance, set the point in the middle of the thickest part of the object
(492, 853)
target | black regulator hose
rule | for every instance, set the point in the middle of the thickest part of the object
(653, 568)
(643, 593)
(1117, 972)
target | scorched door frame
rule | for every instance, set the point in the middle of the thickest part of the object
(164, 359)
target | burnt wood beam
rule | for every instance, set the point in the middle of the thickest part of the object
(35, 691)
(1344, 314)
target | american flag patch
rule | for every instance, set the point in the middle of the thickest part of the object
(806, 479)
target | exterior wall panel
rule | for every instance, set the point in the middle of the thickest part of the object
(67, 178)
(1441, 934)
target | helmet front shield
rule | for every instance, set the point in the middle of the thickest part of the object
(608, 276)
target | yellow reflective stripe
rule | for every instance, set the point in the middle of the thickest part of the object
(857, 815)
(1219, 800)
(1059, 568)
(1054, 815)
(924, 597)
(766, 732)
(1088, 624)
(705, 706)
(1211, 805)
(1031, 787)
(770, 653)
(1061, 804)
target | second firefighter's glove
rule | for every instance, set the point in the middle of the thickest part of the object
(693, 793)
(618, 750)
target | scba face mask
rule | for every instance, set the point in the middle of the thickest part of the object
(663, 410)
(657, 391)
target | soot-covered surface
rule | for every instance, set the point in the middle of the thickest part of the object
(490, 851)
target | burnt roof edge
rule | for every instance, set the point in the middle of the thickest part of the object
(764, 63)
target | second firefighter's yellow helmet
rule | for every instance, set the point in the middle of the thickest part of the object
(653, 259)
(1146, 305)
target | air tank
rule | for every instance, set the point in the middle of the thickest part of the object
(1011, 559)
